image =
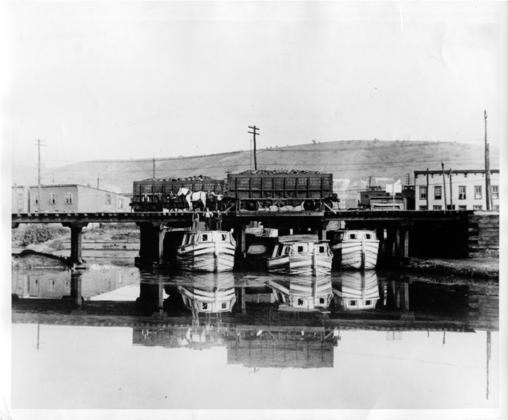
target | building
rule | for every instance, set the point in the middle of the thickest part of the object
(19, 199)
(462, 189)
(347, 192)
(376, 198)
(74, 198)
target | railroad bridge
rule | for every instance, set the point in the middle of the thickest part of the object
(402, 233)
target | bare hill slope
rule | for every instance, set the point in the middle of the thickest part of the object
(354, 160)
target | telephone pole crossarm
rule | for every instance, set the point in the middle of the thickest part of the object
(255, 132)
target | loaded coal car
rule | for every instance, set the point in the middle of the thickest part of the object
(159, 194)
(273, 190)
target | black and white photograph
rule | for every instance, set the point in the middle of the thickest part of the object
(212, 208)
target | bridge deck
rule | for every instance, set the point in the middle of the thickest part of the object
(189, 216)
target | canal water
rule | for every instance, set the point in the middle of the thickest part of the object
(121, 337)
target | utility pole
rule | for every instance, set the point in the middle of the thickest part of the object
(98, 175)
(408, 179)
(153, 168)
(488, 196)
(39, 143)
(428, 190)
(444, 185)
(254, 132)
(451, 188)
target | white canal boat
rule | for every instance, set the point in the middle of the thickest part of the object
(301, 255)
(208, 250)
(302, 293)
(358, 249)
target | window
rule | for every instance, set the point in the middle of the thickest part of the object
(462, 207)
(36, 199)
(120, 203)
(438, 192)
(68, 198)
(204, 238)
(462, 192)
(321, 249)
(495, 192)
(322, 300)
(108, 199)
(477, 192)
(367, 302)
(423, 192)
(477, 207)
(51, 198)
(437, 207)
(224, 305)
(300, 248)
(223, 236)
(353, 303)
(423, 207)
(352, 236)
(367, 236)
(496, 207)
(204, 305)
(300, 302)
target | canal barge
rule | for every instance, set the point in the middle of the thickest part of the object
(300, 255)
(207, 250)
(357, 249)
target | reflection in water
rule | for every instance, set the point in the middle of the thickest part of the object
(55, 284)
(358, 290)
(272, 346)
(302, 293)
(258, 321)
(215, 296)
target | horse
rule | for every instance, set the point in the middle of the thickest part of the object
(215, 200)
(192, 197)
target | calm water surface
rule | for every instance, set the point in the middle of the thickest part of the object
(118, 337)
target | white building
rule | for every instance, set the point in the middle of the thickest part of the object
(65, 198)
(463, 190)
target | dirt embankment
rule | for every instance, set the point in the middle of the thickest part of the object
(477, 268)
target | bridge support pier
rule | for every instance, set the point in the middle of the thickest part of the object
(76, 244)
(380, 233)
(76, 289)
(240, 237)
(75, 298)
(151, 247)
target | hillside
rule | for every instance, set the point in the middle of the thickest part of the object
(351, 161)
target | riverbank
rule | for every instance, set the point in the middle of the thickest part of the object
(477, 268)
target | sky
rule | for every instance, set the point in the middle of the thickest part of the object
(107, 80)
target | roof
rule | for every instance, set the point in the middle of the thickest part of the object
(195, 178)
(455, 171)
(298, 238)
(279, 172)
(74, 185)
